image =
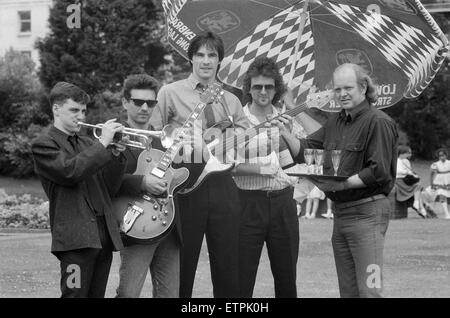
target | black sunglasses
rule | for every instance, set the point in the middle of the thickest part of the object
(139, 102)
(259, 87)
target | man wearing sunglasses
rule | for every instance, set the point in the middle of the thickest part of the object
(269, 212)
(160, 257)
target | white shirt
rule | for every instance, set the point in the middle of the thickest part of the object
(276, 181)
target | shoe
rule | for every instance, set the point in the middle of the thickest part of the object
(416, 206)
(328, 215)
(430, 212)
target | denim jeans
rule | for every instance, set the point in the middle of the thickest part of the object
(358, 241)
(163, 260)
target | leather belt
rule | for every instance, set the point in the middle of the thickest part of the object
(348, 204)
(268, 193)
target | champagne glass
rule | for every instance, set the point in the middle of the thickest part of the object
(318, 158)
(336, 159)
(309, 158)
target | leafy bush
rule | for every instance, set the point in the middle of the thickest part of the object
(23, 211)
(16, 159)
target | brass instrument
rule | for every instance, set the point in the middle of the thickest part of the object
(123, 137)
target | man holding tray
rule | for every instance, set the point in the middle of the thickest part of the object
(367, 140)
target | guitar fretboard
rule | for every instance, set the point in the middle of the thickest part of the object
(170, 154)
(232, 142)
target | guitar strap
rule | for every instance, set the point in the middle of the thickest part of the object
(209, 114)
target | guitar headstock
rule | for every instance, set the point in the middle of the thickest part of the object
(212, 93)
(319, 99)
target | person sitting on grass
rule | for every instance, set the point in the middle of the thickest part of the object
(404, 190)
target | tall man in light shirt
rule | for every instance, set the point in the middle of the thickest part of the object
(213, 209)
(269, 212)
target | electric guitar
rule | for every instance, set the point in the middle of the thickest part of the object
(148, 217)
(216, 163)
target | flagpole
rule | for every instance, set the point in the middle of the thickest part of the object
(303, 16)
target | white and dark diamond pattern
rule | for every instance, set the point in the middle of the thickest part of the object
(406, 47)
(172, 7)
(275, 38)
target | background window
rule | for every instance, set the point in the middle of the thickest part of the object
(27, 53)
(25, 21)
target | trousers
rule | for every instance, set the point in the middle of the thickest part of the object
(358, 242)
(84, 272)
(161, 258)
(212, 211)
(271, 218)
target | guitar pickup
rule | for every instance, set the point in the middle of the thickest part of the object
(133, 212)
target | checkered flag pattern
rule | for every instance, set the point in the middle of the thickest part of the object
(172, 8)
(406, 47)
(275, 38)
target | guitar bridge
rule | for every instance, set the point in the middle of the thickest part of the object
(133, 212)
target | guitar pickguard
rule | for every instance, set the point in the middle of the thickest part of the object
(148, 217)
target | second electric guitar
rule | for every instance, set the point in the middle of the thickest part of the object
(214, 165)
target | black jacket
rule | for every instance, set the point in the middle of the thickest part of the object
(62, 172)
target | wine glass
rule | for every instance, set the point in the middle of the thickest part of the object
(309, 158)
(336, 159)
(318, 158)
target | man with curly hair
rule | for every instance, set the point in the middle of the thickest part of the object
(269, 212)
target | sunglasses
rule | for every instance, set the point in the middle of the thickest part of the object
(259, 87)
(139, 102)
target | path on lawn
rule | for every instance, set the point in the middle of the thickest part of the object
(417, 263)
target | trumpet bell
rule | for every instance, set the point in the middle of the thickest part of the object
(167, 136)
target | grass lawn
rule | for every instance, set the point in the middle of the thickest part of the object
(22, 186)
(417, 263)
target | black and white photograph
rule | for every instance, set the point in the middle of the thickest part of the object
(225, 153)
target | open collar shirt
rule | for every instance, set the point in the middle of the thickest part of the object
(367, 138)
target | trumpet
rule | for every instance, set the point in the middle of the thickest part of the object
(122, 138)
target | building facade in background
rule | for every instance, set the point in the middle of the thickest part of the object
(22, 22)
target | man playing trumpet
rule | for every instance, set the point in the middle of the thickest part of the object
(79, 175)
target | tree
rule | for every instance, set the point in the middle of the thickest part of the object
(20, 113)
(425, 119)
(20, 92)
(115, 38)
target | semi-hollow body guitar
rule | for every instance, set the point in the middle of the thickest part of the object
(149, 217)
(216, 163)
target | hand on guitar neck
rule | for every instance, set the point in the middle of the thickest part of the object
(309, 124)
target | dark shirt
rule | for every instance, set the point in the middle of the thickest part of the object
(64, 171)
(368, 140)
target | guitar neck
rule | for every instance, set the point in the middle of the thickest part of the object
(231, 142)
(170, 154)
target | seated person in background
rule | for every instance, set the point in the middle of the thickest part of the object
(440, 179)
(405, 191)
(312, 202)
